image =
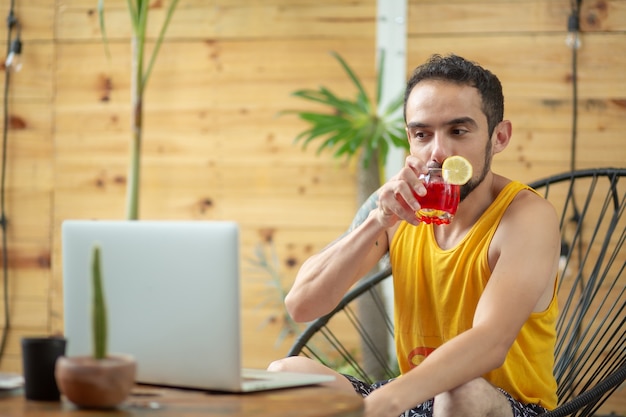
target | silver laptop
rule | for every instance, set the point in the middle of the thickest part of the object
(172, 293)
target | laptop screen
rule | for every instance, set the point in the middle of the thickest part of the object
(172, 294)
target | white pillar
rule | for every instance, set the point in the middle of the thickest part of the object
(391, 36)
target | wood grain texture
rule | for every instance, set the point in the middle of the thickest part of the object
(237, 19)
(160, 402)
(215, 145)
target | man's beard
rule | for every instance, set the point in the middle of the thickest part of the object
(475, 182)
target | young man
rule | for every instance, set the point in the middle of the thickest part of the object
(479, 293)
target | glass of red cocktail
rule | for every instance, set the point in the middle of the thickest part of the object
(441, 200)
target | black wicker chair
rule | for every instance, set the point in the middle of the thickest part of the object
(591, 347)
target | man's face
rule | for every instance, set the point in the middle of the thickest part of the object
(445, 119)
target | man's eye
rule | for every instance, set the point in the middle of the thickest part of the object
(458, 131)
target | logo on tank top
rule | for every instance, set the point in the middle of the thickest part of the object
(417, 355)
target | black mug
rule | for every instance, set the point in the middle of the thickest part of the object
(39, 356)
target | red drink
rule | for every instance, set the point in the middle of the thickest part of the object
(440, 202)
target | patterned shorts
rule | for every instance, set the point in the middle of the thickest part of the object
(426, 409)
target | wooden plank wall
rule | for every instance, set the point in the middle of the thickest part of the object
(215, 148)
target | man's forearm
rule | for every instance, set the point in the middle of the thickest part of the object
(325, 277)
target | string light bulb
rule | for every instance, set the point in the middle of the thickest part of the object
(573, 31)
(14, 59)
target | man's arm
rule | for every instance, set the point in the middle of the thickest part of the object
(325, 277)
(524, 258)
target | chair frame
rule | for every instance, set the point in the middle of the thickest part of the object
(574, 399)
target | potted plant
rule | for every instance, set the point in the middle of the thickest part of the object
(100, 380)
(360, 128)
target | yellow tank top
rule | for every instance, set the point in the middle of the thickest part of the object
(437, 292)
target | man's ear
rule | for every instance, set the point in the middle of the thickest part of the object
(501, 136)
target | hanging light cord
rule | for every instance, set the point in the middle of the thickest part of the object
(573, 27)
(11, 24)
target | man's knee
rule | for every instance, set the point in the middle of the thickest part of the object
(292, 364)
(475, 398)
(303, 364)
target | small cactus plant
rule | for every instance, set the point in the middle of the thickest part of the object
(97, 381)
(99, 313)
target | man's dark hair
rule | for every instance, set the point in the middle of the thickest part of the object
(455, 69)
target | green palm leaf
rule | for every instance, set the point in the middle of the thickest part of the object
(352, 126)
(362, 94)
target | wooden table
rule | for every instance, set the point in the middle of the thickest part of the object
(160, 402)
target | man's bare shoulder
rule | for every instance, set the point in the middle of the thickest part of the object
(525, 199)
(530, 212)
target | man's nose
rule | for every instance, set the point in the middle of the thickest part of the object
(441, 149)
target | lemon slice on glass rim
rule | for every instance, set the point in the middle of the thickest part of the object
(456, 170)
